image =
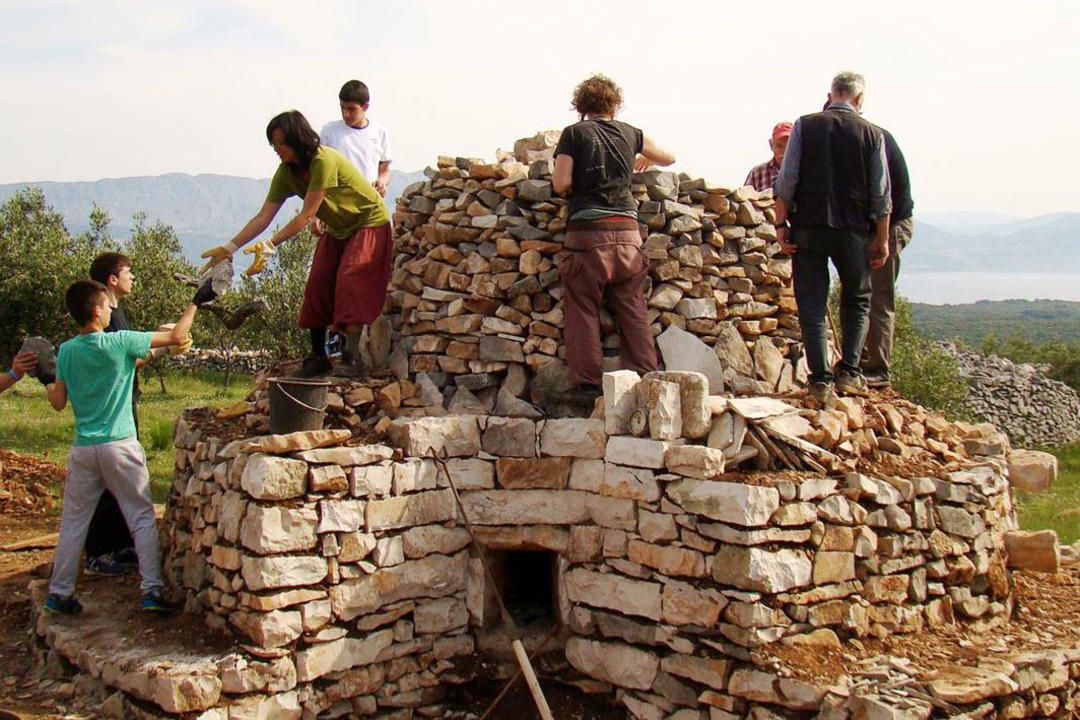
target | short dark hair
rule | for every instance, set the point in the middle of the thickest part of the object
(81, 297)
(597, 95)
(298, 135)
(106, 264)
(354, 91)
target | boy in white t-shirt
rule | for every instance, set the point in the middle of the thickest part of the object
(362, 140)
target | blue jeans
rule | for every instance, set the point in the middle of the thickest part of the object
(849, 251)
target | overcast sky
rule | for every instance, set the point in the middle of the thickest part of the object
(982, 97)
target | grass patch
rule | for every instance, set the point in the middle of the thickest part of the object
(28, 425)
(1057, 508)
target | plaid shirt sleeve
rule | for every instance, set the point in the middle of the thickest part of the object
(763, 176)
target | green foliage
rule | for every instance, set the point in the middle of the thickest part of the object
(921, 372)
(1039, 321)
(161, 433)
(1057, 508)
(39, 260)
(1063, 359)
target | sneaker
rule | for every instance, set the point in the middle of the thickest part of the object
(154, 602)
(851, 384)
(822, 392)
(878, 379)
(127, 556)
(314, 366)
(105, 564)
(60, 605)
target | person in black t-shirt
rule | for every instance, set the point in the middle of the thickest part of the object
(594, 161)
(110, 549)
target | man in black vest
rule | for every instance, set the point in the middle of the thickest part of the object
(832, 189)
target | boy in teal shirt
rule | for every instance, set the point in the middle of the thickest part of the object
(95, 370)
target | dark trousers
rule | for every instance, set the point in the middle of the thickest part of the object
(877, 355)
(603, 261)
(108, 531)
(849, 251)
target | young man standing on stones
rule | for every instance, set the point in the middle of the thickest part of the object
(110, 549)
(603, 251)
(763, 176)
(94, 370)
(365, 142)
(877, 353)
(833, 185)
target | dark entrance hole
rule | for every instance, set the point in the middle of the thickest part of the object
(526, 580)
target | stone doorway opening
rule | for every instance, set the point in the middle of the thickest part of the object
(526, 581)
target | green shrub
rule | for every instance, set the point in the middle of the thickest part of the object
(161, 435)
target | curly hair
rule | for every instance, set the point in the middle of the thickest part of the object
(597, 95)
(298, 135)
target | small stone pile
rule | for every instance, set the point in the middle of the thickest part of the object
(236, 360)
(1018, 398)
(476, 288)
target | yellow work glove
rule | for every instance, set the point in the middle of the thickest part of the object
(182, 347)
(262, 250)
(216, 255)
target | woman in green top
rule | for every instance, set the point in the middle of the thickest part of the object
(346, 287)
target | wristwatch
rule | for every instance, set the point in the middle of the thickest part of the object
(785, 224)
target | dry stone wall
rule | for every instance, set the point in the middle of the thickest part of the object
(350, 569)
(1018, 398)
(476, 290)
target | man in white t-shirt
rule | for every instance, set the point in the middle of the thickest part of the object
(365, 142)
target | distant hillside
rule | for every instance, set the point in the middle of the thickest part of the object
(1039, 321)
(204, 210)
(1048, 243)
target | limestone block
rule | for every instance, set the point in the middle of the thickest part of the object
(285, 598)
(573, 437)
(712, 672)
(422, 508)
(355, 546)
(240, 675)
(414, 475)
(965, 685)
(609, 512)
(261, 573)
(428, 539)
(620, 399)
(614, 592)
(614, 480)
(833, 567)
(636, 452)
(752, 684)
(430, 576)
(693, 399)
(697, 461)
(316, 614)
(280, 706)
(510, 437)
(388, 551)
(747, 505)
(267, 477)
(292, 442)
(272, 629)
(656, 526)
(887, 588)
(955, 521)
(371, 480)
(440, 616)
(670, 560)
(469, 474)
(231, 511)
(755, 568)
(664, 408)
(1032, 470)
(525, 507)
(616, 663)
(315, 661)
(685, 351)
(586, 544)
(340, 515)
(730, 349)
(532, 472)
(327, 478)
(1033, 550)
(684, 604)
(277, 529)
(346, 456)
(458, 435)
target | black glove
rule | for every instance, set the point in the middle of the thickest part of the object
(205, 293)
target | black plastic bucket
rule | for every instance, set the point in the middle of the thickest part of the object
(297, 404)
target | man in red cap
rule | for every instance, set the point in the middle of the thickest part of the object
(763, 176)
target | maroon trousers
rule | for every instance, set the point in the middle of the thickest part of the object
(605, 257)
(348, 279)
